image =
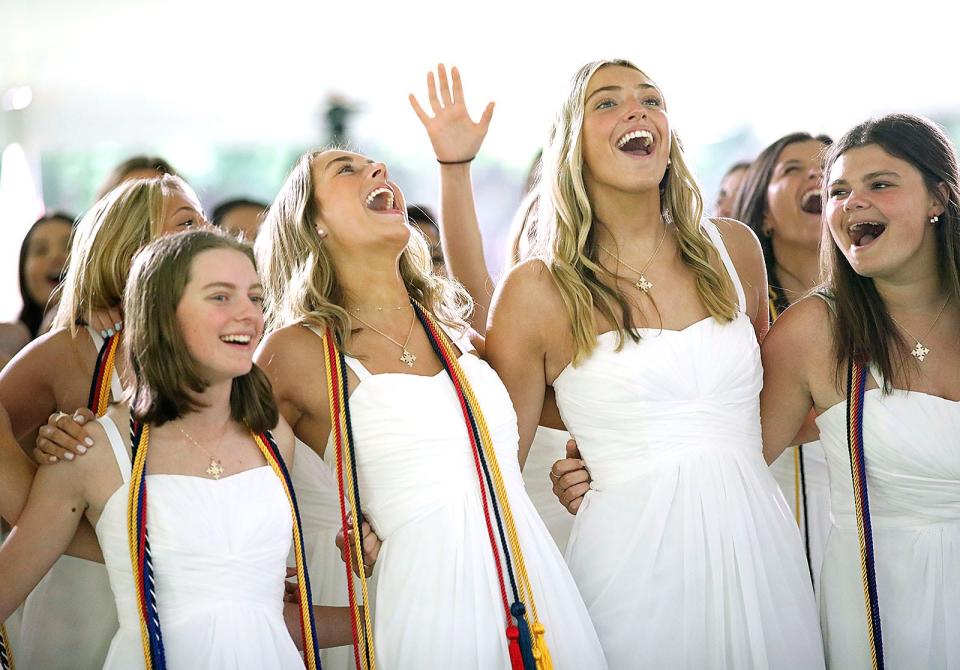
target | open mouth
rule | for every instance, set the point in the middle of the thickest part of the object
(811, 202)
(862, 234)
(381, 199)
(636, 143)
(236, 340)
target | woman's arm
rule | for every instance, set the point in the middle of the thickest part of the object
(525, 309)
(25, 389)
(455, 138)
(45, 528)
(786, 401)
(747, 256)
(332, 625)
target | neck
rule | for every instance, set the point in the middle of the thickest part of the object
(626, 219)
(798, 267)
(371, 282)
(912, 295)
(213, 412)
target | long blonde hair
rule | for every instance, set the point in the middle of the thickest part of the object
(298, 274)
(565, 228)
(105, 242)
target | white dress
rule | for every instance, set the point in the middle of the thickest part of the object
(219, 557)
(815, 498)
(437, 596)
(912, 449)
(549, 446)
(69, 618)
(684, 549)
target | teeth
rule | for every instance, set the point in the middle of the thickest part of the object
(381, 191)
(236, 339)
(646, 135)
(861, 224)
(810, 193)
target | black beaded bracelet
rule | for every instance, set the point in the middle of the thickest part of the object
(469, 160)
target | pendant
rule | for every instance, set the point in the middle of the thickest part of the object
(644, 284)
(408, 358)
(919, 352)
(214, 469)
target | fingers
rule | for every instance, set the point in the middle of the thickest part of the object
(573, 451)
(63, 437)
(422, 115)
(573, 496)
(457, 85)
(485, 125)
(371, 545)
(432, 94)
(565, 465)
(444, 86)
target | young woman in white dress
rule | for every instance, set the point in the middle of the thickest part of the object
(779, 198)
(340, 260)
(69, 620)
(891, 304)
(220, 520)
(645, 319)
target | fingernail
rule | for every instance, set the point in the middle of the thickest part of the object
(53, 459)
(89, 441)
(81, 449)
(110, 332)
(79, 418)
(103, 333)
(118, 326)
(68, 456)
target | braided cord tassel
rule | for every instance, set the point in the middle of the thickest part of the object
(363, 647)
(856, 386)
(99, 399)
(311, 650)
(462, 384)
(150, 635)
(6, 651)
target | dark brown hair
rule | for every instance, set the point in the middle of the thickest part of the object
(33, 312)
(132, 164)
(165, 374)
(863, 330)
(751, 204)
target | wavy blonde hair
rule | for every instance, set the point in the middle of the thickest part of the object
(105, 242)
(565, 228)
(298, 274)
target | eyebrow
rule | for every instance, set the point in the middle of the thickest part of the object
(869, 175)
(342, 159)
(619, 88)
(228, 285)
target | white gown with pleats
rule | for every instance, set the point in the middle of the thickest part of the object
(438, 601)
(912, 451)
(219, 557)
(684, 549)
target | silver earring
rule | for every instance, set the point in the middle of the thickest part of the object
(934, 219)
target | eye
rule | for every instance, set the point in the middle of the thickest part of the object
(791, 169)
(653, 101)
(606, 103)
(880, 185)
(346, 168)
(219, 297)
(258, 299)
(837, 192)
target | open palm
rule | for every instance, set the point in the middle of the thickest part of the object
(454, 135)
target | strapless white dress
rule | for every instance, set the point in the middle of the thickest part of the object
(684, 549)
(438, 600)
(549, 446)
(912, 449)
(219, 557)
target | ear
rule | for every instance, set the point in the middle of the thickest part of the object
(938, 205)
(767, 227)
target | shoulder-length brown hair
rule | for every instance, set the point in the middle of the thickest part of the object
(863, 330)
(165, 374)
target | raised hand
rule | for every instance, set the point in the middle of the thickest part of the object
(454, 135)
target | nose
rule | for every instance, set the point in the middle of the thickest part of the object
(634, 110)
(379, 171)
(855, 200)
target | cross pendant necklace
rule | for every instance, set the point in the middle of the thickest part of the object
(407, 357)
(642, 284)
(921, 351)
(215, 469)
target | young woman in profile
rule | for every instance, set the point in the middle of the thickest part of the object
(200, 570)
(876, 355)
(645, 318)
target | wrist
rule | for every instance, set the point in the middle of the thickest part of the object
(465, 161)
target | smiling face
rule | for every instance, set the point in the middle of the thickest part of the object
(794, 196)
(626, 132)
(46, 255)
(220, 314)
(878, 209)
(359, 208)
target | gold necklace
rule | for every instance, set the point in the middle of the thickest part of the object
(215, 469)
(356, 310)
(642, 283)
(920, 351)
(408, 358)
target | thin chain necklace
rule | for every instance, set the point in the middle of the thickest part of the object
(920, 351)
(215, 469)
(408, 358)
(356, 310)
(642, 283)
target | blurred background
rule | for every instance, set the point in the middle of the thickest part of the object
(232, 92)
